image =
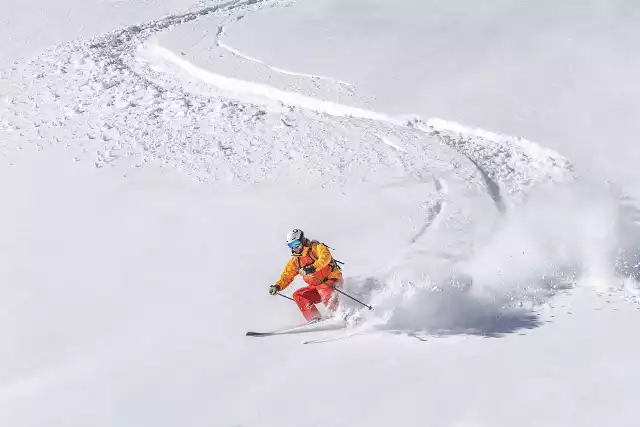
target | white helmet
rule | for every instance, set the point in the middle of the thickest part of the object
(295, 235)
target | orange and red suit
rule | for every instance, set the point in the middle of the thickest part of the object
(320, 283)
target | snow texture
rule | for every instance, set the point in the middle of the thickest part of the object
(150, 170)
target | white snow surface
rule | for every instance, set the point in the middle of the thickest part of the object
(154, 154)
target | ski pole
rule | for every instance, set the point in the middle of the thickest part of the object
(349, 296)
(284, 296)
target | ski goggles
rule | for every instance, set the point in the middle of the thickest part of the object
(294, 244)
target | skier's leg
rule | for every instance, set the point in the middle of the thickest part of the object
(328, 295)
(306, 298)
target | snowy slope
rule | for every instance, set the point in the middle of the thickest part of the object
(559, 73)
(28, 27)
(150, 173)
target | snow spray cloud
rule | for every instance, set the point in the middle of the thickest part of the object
(562, 236)
(446, 308)
(575, 233)
(410, 299)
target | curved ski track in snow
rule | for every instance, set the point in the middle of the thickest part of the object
(291, 99)
(521, 161)
(131, 110)
(221, 44)
(100, 102)
(433, 211)
(477, 145)
(108, 70)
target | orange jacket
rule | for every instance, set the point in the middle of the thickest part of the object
(317, 254)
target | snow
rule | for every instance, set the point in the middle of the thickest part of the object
(563, 74)
(154, 154)
(29, 27)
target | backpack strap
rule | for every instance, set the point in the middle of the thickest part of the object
(333, 263)
(310, 253)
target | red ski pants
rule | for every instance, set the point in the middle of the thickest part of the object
(307, 297)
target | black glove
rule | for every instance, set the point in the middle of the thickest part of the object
(309, 269)
(274, 289)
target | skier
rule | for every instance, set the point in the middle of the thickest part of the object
(319, 270)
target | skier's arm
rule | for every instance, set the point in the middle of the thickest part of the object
(324, 257)
(289, 273)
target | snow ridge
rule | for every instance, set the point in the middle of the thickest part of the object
(510, 162)
(291, 99)
(142, 115)
(512, 165)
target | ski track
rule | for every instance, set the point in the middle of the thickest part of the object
(433, 211)
(129, 111)
(480, 147)
(290, 99)
(107, 105)
(492, 187)
(392, 144)
(221, 44)
(108, 66)
(125, 109)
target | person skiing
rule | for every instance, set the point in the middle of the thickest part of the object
(319, 270)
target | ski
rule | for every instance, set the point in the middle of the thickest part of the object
(323, 325)
(331, 339)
